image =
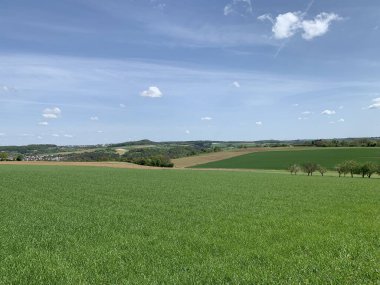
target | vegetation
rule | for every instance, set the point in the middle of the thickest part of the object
(71, 225)
(281, 159)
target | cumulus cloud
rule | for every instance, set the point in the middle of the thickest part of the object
(341, 120)
(236, 84)
(238, 7)
(94, 118)
(43, 123)
(52, 113)
(288, 24)
(376, 104)
(259, 123)
(328, 112)
(319, 26)
(152, 92)
(206, 119)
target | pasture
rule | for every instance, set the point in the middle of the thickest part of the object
(79, 225)
(281, 159)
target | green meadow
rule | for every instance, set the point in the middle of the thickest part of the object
(280, 160)
(79, 225)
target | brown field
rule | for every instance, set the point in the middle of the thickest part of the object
(216, 156)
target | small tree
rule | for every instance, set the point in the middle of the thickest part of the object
(294, 169)
(321, 170)
(367, 169)
(3, 156)
(340, 169)
(19, 158)
(309, 168)
(350, 166)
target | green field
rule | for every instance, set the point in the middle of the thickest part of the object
(73, 225)
(280, 160)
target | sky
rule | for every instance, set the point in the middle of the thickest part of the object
(95, 71)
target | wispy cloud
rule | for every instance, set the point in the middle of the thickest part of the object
(43, 123)
(375, 104)
(206, 118)
(94, 118)
(236, 84)
(238, 7)
(51, 113)
(328, 112)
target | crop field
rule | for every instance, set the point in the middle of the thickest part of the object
(79, 225)
(280, 160)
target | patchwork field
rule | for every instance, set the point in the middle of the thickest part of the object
(79, 225)
(280, 159)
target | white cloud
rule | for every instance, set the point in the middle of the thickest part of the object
(236, 84)
(296, 105)
(51, 113)
(206, 119)
(55, 135)
(43, 123)
(238, 7)
(341, 107)
(328, 112)
(152, 92)
(319, 26)
(99, 132)
(39, 137)
(375, 105)
(187, 132)
(288, 24)
(122, 106)
(307, 113)
(341, 121)
(2, 135)
(68, 136)
(94, 118)
(259, 123)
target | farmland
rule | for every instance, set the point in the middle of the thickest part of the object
(81, 225)
(281, 159)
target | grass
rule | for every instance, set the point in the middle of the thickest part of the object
(74, 225)
(328, 158)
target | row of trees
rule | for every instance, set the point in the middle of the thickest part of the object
(5, 157)
(309, 168)
(350, 167)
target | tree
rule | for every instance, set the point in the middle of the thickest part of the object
(3, 156)
(350, 166)
(309, 168)
(367, 169)
(19, 157)
(294, 169)
(321, 170)
(340, 169)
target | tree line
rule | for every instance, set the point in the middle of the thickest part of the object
(349, 167)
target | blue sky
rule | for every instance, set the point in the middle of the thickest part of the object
(94, 71)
